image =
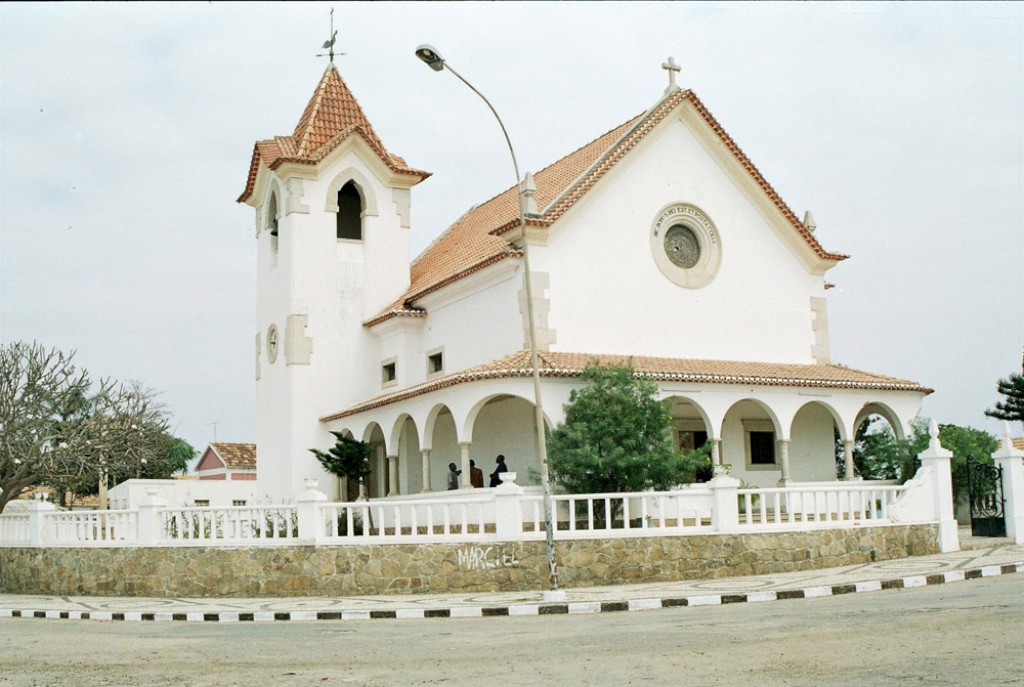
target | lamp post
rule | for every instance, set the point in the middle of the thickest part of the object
(431, 57)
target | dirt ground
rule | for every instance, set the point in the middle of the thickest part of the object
(967, 633)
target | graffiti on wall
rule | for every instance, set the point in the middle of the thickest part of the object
(487, 557)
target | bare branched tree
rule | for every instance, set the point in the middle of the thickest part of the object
(55, 429)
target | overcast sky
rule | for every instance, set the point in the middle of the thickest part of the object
(126, 132)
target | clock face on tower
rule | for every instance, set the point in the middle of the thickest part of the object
(685, 245)
(272, 343)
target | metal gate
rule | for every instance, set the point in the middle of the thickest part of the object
(985, 492)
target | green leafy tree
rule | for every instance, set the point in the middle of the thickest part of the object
(57, 427)
(878, 454)
(616, 437)
(964, 442)
(347, 458)
(1012, 408)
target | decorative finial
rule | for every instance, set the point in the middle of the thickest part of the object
(329, 44)
(529, 191)
(809, 221)
(671, 67)
(933, 432)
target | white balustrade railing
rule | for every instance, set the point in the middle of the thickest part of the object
(818, 504)
(422, 520)
(96, 527)
(234, 524)
(14, 529)
(622, 514)
(506, 513)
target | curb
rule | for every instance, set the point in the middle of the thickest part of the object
(569, 608)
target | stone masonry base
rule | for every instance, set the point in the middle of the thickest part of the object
(439, 568)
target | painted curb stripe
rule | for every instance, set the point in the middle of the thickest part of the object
(574, 608)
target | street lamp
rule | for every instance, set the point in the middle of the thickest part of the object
(430, 56)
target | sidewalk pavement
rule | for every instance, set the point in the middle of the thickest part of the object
(992, 557)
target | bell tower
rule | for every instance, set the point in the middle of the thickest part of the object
(332, 223)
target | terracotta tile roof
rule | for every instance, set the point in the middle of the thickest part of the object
(236, 455)
(475, 238)
(1018, 443)
(331, 116)
(556, 364)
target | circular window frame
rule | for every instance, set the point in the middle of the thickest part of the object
(273, 341)
(710, 245)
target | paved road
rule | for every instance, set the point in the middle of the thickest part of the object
(968, 633)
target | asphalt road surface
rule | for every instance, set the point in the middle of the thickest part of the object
(966, 633)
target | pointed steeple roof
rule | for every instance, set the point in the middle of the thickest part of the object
(332, 115)
(331, 110)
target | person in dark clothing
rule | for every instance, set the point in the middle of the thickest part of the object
(500, 468)
(453, 476)
(476, 475)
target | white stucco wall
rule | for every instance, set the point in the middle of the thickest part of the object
(336, 284)
(608, 296)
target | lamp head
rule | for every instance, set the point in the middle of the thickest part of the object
(427, 53)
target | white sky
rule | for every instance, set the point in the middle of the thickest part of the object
(126, 132)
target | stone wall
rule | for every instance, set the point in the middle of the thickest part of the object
(346, 570)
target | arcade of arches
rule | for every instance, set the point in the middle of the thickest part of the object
(766, 435)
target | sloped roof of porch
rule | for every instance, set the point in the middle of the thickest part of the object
(568, 365)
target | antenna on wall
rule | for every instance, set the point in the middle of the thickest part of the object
(215, 423)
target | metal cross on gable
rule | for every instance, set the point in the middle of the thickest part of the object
(671, 67)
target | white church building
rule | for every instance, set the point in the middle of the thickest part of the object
(658, 243)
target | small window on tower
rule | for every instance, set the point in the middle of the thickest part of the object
(350, 213)
(388, 373)
(435, 363)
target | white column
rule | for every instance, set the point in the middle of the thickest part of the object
(466, 476)
(381, 470)
(36, 529)
(150, 530)
(937, 460)
(393, 476)
(784, 460)
(508, 516)
(848, 460)
(725, 516)
(716, 452)
(307, 506)
(1011, 460)
(343, 488)
(426, 470)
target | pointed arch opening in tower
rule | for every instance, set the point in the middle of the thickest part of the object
(350, 212)
(272, 215)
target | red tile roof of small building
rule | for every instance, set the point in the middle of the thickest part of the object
(557, 364)
(236, 455)
(331, 116)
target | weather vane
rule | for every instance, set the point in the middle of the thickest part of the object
(329, 44)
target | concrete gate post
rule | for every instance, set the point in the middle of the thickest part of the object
(1011, 460)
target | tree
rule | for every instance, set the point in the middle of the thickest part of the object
(347, 458)
(1013, 407)
(616, 437)
(56, 429)
(878, 454)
